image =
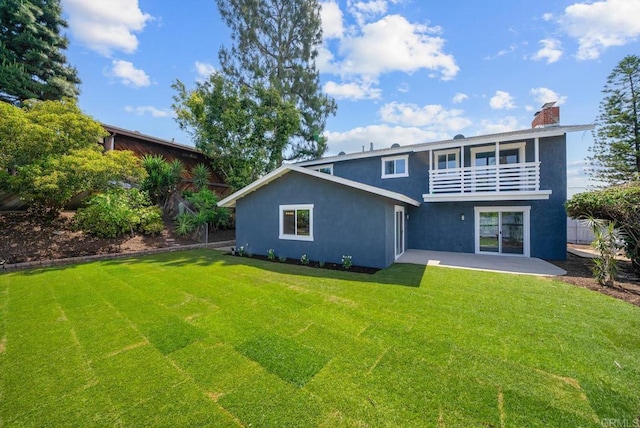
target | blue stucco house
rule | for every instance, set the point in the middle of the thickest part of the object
(497, 194)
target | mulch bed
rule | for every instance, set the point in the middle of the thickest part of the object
(315, 265)
(626, 288)
(23, 239)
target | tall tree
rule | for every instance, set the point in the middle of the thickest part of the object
(275, 44)
(32, 62)
(616, 150)
(244, 130)
(49, 152)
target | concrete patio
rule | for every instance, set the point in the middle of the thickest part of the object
(491, 263)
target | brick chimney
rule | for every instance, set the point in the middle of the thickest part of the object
(549, 115)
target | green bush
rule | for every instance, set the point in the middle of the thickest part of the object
(618, 204)
(207, 211)
(184, 223)
(205, 203)
(117, 212)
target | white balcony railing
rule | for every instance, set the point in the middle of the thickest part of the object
(523, 177)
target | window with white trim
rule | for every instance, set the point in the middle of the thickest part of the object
(397, 166)
(447, 159)
(510, 153)
(296, 222)
(327, 168)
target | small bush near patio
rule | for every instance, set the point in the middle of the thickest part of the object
(202, 339)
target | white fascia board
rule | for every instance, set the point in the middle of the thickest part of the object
(487, 197)
(551, 131)
(230, 201)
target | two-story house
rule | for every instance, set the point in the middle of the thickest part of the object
(498, 194)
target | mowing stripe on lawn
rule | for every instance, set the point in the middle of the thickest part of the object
(199, 338)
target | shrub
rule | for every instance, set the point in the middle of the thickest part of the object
(207, 212)
(304, 259)
(118, 211)
(606, 242)
(619, 204)
(271, 254)
(150, 221)
(282, 259)
(347, 262)
(184, 224)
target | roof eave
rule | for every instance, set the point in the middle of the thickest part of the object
(550, 131)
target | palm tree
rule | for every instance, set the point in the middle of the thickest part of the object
(163, 178)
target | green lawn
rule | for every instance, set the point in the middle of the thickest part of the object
(197, 338)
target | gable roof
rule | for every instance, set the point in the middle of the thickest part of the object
(230, 201)
(114, 130)
(550, 131)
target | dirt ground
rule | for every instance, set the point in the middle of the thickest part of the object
(626, 288)
(23, 240)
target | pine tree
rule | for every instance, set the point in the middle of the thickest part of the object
(32, 62)
(616, 150)
(275, 44)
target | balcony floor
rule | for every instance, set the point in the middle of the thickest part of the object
(486, 262)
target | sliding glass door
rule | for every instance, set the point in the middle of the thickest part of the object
(502, 230)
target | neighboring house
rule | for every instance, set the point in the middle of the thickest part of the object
(494, 194)
(141, 144)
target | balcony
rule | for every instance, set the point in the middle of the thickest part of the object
(516, 181)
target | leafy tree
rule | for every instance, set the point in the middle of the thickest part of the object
(617, 204)
(49, 153)
(48, 185)
(32, 62)
(616, 151)
(162, 178)
(243, 130)
(275, 45)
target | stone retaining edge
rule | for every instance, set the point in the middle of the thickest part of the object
(111, 256)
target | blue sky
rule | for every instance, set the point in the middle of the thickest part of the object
(401, 71)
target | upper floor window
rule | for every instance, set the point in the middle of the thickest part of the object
(447, 159)
(508, 154)
(296, 222)
(327, 168)
(397, 166)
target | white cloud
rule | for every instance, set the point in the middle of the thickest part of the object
(546, 95)
(512, 48)
(547, 16)
(578, 177)
(204, 70)
(153, 111)
(551, 51)
(106, 26)
(129, 75)
(364, 11)
(502, 100)
(602, 24)
(352, 91)
(392, 44)
(505, 124)
(382, 136)
(332, 20)
(431, 115)
(460, 97)
(403, 87)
